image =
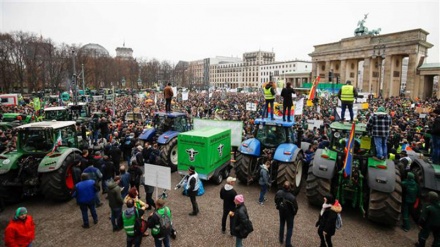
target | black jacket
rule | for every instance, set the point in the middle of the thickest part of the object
(286, 93)
(291, 205)
(327, 221)
(435, 129)
(228, 199)
(240, 216)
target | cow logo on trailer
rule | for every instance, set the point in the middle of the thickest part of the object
(220, 149)
(192, 154)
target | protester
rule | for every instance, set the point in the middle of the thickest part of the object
(287, 207)
(136, 174)
(435, 133)
(227, 194)
(129, 217)
(379, 125)
(286, 93)
(115, 202)
(21, 229)
(264, 182)
(133, 194)
(94, 174)
(269, 96)
(168, 95)
(124, 183)
(430, 221)
(160, 236)
(240, 215)
(327, 220)
(410, 193)
(347, 94)
(85, 194)
(192, 189)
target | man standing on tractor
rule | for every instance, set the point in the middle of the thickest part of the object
(347, 95)
(269, 96)
(168, 95)
(379, 126)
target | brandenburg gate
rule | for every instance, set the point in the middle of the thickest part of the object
(382, 57)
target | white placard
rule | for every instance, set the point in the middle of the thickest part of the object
(251, 106)
(157, 176)
(185, 95)
(174, 91)
(299, 106)
(422, 116)
(235, 126)
(347, 113)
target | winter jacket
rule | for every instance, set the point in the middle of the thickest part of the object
(327, 221)
(129, 219)
(292, 204)
(192, 186)
(264, 176)
(379, 124)
(154, 222)
(168, 92)
(114, 195)
(227, 194)
(85, 191)
(430, 216)
(124, 183)
(286, 93)
(93, 172)
(435, 128)
(240, 216)
(20, 233)
(411, 190)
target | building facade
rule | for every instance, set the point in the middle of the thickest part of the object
(124, 52)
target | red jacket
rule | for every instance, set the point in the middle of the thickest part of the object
(20, 233)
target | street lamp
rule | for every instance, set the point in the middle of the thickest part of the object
(379, 52)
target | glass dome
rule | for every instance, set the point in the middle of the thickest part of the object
(95, 49)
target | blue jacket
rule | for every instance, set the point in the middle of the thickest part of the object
(124, 183)
(85, 191)
(94, 173)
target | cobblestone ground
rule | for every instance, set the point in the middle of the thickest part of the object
(60, 224)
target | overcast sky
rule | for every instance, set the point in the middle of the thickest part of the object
(176, 30)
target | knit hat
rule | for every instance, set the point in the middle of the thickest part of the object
(381, 109)
(20, 211)
(239, 198)
(192, 168)
(432, 196)
(230, 179)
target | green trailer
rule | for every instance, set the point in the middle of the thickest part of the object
(208, 150)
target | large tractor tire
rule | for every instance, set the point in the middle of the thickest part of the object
(316, 188)
(59, 185)
(168, 154)
(245, 167)
(385, 208)
(292, 172)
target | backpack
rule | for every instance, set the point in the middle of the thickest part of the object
(283, 205)
(165, 222)
(338, 221)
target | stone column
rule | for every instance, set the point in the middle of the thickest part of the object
(411, 76)
(386, 76)
(366, 77)
(343, 70)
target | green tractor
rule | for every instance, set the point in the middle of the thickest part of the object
(18, 118)
(42, 162)
(79, 113)
(374, 186)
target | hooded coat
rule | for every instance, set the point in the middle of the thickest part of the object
(327, 221)
(19, 232)
(114, 195)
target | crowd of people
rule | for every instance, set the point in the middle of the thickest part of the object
(111, 139)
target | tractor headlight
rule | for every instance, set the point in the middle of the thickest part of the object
(6, 161)
(337, 134)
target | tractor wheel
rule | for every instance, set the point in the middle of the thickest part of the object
(168, 154)
(385, 208)
(292, 172)
(219, 178)
(244, 167)
(226, 172)
(316, 188)
(59, 185)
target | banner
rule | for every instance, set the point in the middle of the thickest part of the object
(299, 106)
(185, 95)
(349, 152)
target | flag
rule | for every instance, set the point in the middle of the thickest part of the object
(58, 143)
(349, 152)
(37, 105)
(313, 89)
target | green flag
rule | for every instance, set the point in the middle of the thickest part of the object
(37, 104)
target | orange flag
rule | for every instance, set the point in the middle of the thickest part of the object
(313, 89)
